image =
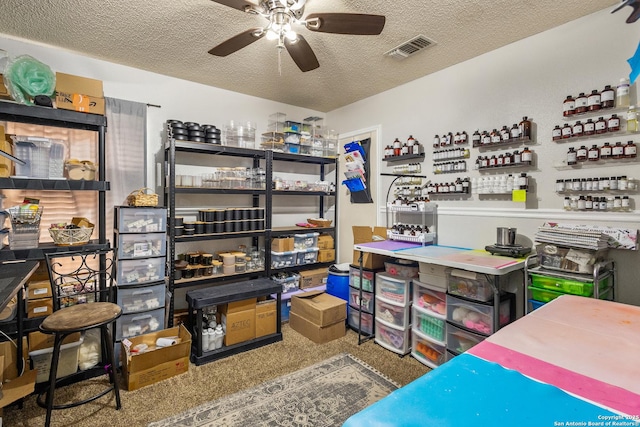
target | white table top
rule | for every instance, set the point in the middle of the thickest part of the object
(478, 261)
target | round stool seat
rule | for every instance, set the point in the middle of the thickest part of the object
(80, 317)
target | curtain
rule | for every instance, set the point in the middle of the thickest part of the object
(125, 152)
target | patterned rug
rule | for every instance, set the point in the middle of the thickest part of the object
(325, 394)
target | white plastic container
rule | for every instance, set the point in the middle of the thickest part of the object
(67, 363)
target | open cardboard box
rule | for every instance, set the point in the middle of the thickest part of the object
(366, 234)
(15, 387)
(147, 368)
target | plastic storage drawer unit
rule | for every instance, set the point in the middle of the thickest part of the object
(305, 241)
(366, 323)
(289, 284)
(459, 340)
(131, 325)
(392, 314)
(393, 339)
(141, 245)
(546, 295)
(469, 285)
(430, 299)
(430, 326)
(368, 278)
(393, 289)
(478, 317)
(133, 300)
(569, 286)
(140, 220)
(427, 352)
(67, 362)
(367, 302)
(139, 271)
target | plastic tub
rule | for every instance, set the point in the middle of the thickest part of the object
(366, 322)
(305, 241)
(469, 285)
(368, 278)
(134, 300)
(393, 289)
(338, 281)
(67, 363)
(427, 352)
(283, 259)
(428, 325)
(431, 299)
(569, 286)
(307, 256)
(392, 314)
(366, 302)
(393, 339)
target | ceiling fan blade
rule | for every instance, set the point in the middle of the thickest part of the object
(302, 54)
(241, 5)
(346, 23)
(236, 43)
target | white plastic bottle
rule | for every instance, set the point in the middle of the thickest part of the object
(622, 93)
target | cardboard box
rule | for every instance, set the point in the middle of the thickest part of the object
(364, 234)
(325, 241)
(147, 368)
(266, 312)
(282, 244)
(19, 386)
(326, 255)
(319, 307)
(4, 92)
(79, 94)
(40, 341)
(316, 333)
(39, 307)
(240, 320)
(38, 289)
(313, 278)
(6, 165)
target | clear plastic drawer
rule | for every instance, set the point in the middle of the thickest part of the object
(139, 271)
(141, 245)
(133, 300)
(140, 220)
(131, 325)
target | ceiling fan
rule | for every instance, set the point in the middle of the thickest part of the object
(283, 17)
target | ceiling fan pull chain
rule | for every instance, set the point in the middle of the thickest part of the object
(280, 62)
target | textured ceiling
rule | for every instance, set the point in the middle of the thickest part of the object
(172, 37)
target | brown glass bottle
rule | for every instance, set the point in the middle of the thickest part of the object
(569, 106)
(605, 151)
(630, 150)
(601, 125)
(617, 152)
(593, 101)
(613, 124)
(526, 156)
(582, 105)
(556, 133)
(589, 127)
(607, 97)
(581, 153)
(476, 138)
(594, 153)
(566, 131)
(578, 129)
(525, 128)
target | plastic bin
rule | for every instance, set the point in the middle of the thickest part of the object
(366, 324)
(459, 340)
(131, 325)
(307, 256)
(139, 271)
(400, 269)
(140, 220)
(427, 352)
(392, 314)
(305, 241)
(469, 285)
(366, 303)
(368, 278)
(535, 304)
(132, 246)
(393, 339)
(289, 284)
(133, 300)
(428, 325)
(67, 363)
(478, 317)
(393, 289)
(283, 259)
(576, 287)
(429, 298)
(43, 157)
(338, 282)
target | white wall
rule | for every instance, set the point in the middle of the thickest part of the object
(530, 77)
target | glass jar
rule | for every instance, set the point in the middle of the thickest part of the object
(525, 127)
(582, 202)
(626, 205)
(508, 159)
(572, 158)
(622, 183)
(617, 152)
(603, 183)
(602, 204)
(486, 138)
(566, 131)
(605, 151)
(588, 203)
(517, 157)
(613, 183)
(617, 203)
(505, 134)
(495, 136)
(610, 203)
(593, 153)
(632, 119)
(476, 138)
(630, 150)
(556, 133)
(569, 106)
(581, 153)
(515, 131)
(436, 141)
(589, 127)
(567, 204)
(577, 129)
(559, 185)
(613, 124)
(576, 184)
(526, 156)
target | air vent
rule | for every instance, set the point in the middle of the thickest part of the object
(410, 47)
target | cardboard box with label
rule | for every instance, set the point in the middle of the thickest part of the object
(147, 368)
(318, 316)
(313, 278)
(325, 241)
(38, 289)
(79, 94)
(282, 244)
(39, 307)
(266, 316)
(240, 320)
(366, 234)
(326, 255)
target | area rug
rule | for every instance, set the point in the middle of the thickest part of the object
(322, 395)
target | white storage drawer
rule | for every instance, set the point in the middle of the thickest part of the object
(393, 339)
(393, 289)
(478, 317)
(142, 245)
(133, 300)
(430, 298)
(139, 271)
(459, 340)
(131, 325)
(140, 220)
(392, 314)
(427, 352)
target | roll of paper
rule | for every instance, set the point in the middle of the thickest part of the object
(165, 342)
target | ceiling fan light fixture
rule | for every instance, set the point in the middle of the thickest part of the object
(272, 35)
(291, 35)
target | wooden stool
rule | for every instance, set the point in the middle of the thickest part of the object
(79, 318)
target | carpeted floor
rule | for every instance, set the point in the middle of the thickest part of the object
(210, 382)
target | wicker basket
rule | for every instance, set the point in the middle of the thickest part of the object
(320, 222)
(71, 236)
(142, 198)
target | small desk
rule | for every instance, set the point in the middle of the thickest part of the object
(13, 276)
